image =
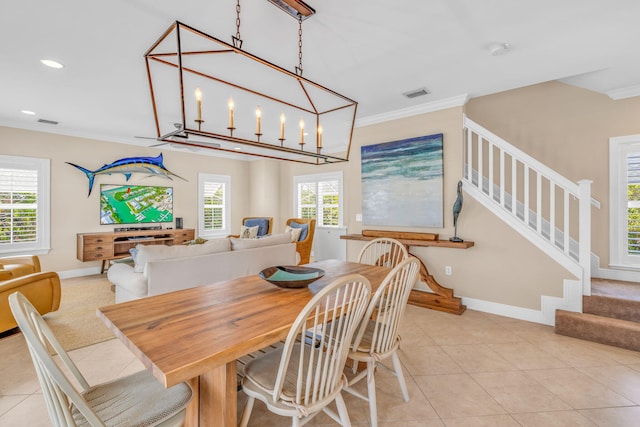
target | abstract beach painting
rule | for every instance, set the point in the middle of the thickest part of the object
(402, 183)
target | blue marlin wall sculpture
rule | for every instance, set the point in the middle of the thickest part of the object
(152, 166)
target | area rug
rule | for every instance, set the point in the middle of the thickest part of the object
(75, 323)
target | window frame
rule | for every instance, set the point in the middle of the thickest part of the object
(42, 245)
(619, 149)
(204, 178)
(317, 179)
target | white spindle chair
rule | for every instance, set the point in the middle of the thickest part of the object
(300, 379)
(378, 337)
(136, 400)
(383, 252)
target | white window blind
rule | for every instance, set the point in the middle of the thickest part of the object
(24, 205)
(320, 197)
(214, 204)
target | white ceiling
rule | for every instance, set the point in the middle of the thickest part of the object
(371, 51)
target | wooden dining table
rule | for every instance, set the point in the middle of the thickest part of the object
(197, 334)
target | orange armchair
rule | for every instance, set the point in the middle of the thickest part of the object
(16, 266)
(303, 247)
(41, 289)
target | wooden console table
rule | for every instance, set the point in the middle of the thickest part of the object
(113, 245)
(442, 298)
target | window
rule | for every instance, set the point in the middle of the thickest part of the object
(320, 197)
(214, 207)
(624, 182)
(24, 206)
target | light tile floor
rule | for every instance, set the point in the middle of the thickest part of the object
(471, 370)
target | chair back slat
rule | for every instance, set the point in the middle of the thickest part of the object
(319, 341)
(58, 391)
(387, 307)
(384, 252)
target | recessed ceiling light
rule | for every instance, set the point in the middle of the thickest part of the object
(51, 63)
(499, 49)
(31, 113)
(238, 148)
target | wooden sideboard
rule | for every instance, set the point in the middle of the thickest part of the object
(113, 245)
(440, 298)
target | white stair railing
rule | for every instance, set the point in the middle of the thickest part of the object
(545, 207)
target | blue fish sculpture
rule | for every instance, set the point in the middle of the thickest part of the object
(152, 166)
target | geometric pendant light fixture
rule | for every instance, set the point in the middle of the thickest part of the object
(211, 94)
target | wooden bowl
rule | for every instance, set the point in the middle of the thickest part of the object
(291, 276)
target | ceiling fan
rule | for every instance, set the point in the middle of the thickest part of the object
(182, 137)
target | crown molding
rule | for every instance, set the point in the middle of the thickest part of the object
(429, 107)
(624, 92)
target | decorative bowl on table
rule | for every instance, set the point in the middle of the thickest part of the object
(291, 276)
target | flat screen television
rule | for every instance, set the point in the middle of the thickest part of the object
(135, 204)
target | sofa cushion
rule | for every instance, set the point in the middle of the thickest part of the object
(146, 253)
(249, 232)
(272, 240)
(304, 227)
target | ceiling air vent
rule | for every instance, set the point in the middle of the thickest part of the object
(47, 122)
(416, 93)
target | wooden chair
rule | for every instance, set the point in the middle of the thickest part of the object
(303, 247)
(265, 224)
(378, 337)
(384, 252)
(41, 289)
(136, 400)
(301, 378)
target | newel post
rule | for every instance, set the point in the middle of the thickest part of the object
(584, 186)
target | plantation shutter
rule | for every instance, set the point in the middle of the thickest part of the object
(214, 206)
(24, 205)
(328, 203)
(307, 197)
(633, 203)
(18, 206)
(319, 197)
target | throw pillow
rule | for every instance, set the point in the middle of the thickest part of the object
(272, 240)
(295, 233)
(303, 227)
(196, 241)
(262, 223)
(249, 232)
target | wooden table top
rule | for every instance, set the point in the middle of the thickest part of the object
(183, 334)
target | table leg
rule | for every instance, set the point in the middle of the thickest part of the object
(216, 399)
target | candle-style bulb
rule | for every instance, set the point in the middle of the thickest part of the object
(258, 117)
(319, 136)
(231, 113)
(301, 132)
(282, 127)
(198, 104)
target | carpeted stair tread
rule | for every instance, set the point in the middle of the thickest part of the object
(615, 289)
(608, 306)
(605, 330)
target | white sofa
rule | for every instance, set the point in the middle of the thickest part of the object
(160, 269)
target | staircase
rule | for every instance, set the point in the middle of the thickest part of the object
(554, 214)
(549, 210)
(611, 315)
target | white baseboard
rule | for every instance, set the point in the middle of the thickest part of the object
(78, 273)
(571, 300)
(504, 310)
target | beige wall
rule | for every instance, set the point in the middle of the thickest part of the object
(73, 212)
